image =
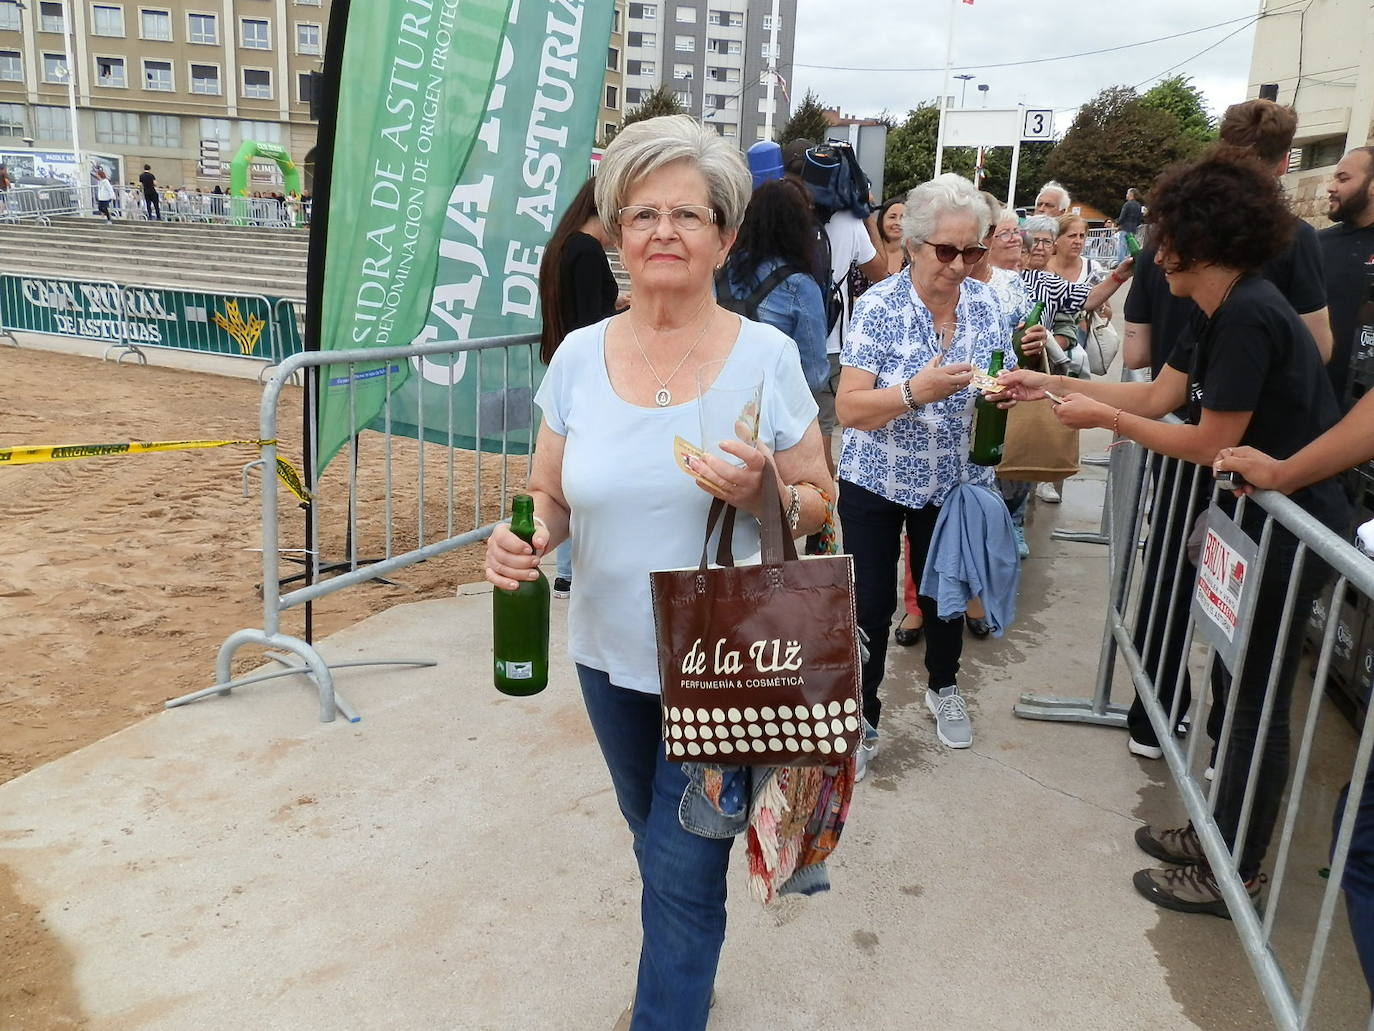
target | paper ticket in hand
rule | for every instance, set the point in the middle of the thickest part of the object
(682, 451)
(986, 384)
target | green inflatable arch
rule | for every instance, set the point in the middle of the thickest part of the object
(238, 173)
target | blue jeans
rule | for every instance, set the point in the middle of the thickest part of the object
(1016, 493)
(682, 902)
(563, 555)
(1359, 875)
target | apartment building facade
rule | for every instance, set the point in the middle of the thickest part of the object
(715, 55)
(166, 83)
(1321, 58)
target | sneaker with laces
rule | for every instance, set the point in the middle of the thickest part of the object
(562, 587)
(1048, 493)
(1189, 889)
(868, 751)
(1022, 548)
(952, 724)
(1143, 750)
(1179, 845)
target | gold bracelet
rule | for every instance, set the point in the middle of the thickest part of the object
(1116, 423)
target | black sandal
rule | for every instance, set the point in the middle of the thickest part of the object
(978, 627)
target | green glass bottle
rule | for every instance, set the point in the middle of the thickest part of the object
(1032, 318)
(1133, 247)
(989, 424)
(520, 620)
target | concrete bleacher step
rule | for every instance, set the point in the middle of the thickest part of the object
(234, 259)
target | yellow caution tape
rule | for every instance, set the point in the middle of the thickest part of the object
(69, 452)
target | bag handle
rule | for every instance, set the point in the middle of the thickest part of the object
(777, 544)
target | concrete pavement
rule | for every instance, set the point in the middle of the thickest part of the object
(456, 860)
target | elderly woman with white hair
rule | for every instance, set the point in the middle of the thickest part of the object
(672, 195)
(904, 399)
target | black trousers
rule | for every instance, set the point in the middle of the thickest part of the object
(872, 527)
(153, 204)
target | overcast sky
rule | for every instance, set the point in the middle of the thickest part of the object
(912, 34)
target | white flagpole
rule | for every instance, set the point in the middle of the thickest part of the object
(944, 90)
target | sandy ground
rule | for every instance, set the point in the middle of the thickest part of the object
(121, 577)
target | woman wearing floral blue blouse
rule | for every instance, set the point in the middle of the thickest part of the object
(907, 408)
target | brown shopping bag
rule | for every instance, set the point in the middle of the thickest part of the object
(1038, 447)
(759, 664)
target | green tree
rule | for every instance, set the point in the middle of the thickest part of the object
(1116, 142)
(1179, 97)
(658, 101)
(808, 122)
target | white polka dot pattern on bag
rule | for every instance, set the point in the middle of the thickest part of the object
(727, 732)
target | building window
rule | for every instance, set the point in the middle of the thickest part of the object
(305, 87)
(729, 129)
(634, 95)
(10, 68)
(253, 34)
(639, 68)
(608, 131)
(157, 75)
(155, 25)
(164, 131)
(50, 17)
(1320, 153)
(307, 38)
(612, 97)
(12, 120)
(682, 71)
(261, 132)
(645, 12)
(687, 15)
(54, 68)
(109, 71)
(767, 51)
(214, 129)
(761, 132)
(205, 79)
(682, 97)
(768, 21)
(52, 123)
(612, 59)
(734, 46)
(642, 39)
(685, 44)
(202, 28)
(107, 20)
(9, 17)
(116, 127)
(257, 83)
(728, 19)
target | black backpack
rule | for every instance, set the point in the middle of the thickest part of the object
(749, 306)
(837, 182)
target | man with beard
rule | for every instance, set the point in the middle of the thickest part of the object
(1348, 250)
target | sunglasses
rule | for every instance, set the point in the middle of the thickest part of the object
(947, 252)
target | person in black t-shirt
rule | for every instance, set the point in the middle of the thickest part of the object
(150, 198)
(1348, 251)
(1249, 374)
(576, 289)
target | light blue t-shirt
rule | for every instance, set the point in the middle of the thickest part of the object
(633, 510)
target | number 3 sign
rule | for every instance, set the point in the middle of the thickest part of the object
(1038, 125)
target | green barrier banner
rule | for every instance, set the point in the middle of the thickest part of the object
(529, 159)
(186, 320)
(412, 91)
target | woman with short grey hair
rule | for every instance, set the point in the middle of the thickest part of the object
(615, 396)
(905, 402)
(1055, 292)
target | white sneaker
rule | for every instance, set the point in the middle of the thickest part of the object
(1143, 750)
(868, 751)
(952, 725)
(1048, 493)
(1210, 773)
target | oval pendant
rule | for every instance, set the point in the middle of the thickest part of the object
(663, 399)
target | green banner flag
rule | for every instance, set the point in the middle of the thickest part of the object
(532, 155)
(413, 90)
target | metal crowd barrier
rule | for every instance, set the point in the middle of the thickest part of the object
(42, 204)
(1150, 611)
(504, 409)
(130, 318)
(1101, 246)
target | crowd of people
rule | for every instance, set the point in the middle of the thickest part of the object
(879, 327)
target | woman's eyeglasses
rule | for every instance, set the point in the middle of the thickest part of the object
(947, 252)
(1007, 235)
(642, 218)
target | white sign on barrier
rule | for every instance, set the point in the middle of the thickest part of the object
(1226, 584)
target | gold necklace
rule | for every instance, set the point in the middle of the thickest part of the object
(664, 397)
